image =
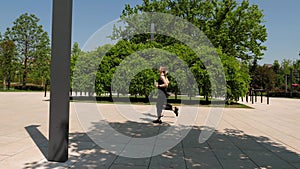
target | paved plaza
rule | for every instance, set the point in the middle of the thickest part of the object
(265, 136)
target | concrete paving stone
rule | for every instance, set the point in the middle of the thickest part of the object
(267, 158)
(137, 151)
(296, 165)
(168, 149)
(138, 130)
(167, 142)
(132, 161)
(149, 141)
(3, 157)
(20, 133)
(247, 144)
(273, 146)
(79, 137)
(289, 157)
(172, 158)
(230, 154)
(92, 163)
(281, 151)
(192, 138)
(193, 142)
(5, 130)
(237, 164)
(16, 147)
(117, 138)
(99, 158)
(221, 146)
(44, 164)
(83, 147)
(167, 161)
(101, 135)
(201, 158)
(221, 142)
(219, 137)
(28, 158)
(8, 140)
(115, 148)
(116, 166)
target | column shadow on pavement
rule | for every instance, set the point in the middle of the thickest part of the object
(39, 139)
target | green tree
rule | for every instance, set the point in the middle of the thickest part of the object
(286, 65)
(75, 53)
(279, 82)
(40, 69)
(1, 74)
(296, 73)
(196, 66)
(85, 70)
(237, 77)
(265, 78)
(32, 44)
(236, 28)
(111, 57)
(7, 59)
(142, 83)
(83, 76)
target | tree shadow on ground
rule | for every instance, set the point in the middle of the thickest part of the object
(229, 149)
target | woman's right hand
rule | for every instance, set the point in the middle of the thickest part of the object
(156, 84)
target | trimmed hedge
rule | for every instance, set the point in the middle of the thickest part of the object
(283, 94)
(29, 87)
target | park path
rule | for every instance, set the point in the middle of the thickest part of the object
(266, 136)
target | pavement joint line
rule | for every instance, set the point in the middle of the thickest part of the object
(215, 155)
(238, 146)
(256, 129)
(270, 136)
(277, 130)
(260, 145)
(184, 155)
(82, 155)
(116, 157)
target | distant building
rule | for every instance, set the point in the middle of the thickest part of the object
(268, 65)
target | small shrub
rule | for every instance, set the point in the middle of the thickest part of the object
(30, 87)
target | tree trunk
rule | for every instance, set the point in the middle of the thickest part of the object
(176, 93)
(8, 82)
(206, 98)
(4, 84)
(110, 93)
(24, 74)
(24, 80)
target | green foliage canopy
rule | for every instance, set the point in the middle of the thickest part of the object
(32, 45)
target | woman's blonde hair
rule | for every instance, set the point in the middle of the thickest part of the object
(163, 69)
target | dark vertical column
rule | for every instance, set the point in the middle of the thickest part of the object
(268, 101)
(291, 82)
(252, 99)
(60, 80)
(286, 85)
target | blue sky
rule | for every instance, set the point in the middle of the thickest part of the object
(282, 21)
